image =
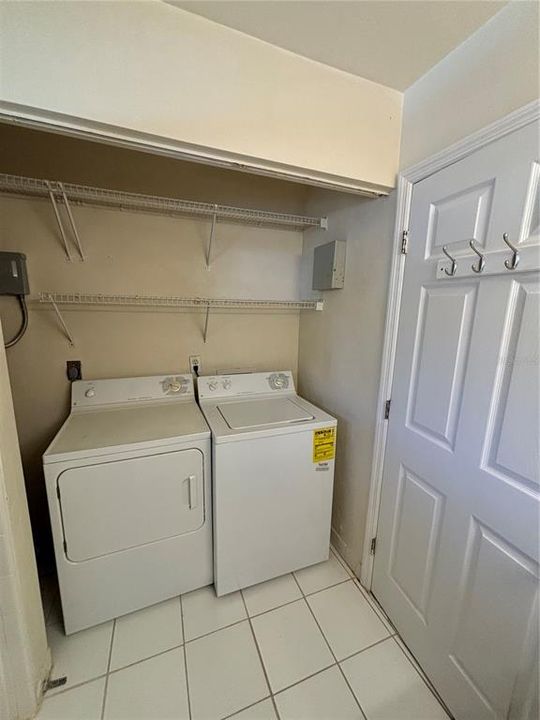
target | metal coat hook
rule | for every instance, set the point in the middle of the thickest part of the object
(514, 262)
(453, 267)
(481, 261)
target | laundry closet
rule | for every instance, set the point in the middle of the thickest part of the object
(269, 436)
(124, 293)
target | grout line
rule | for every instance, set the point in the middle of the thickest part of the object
(48, 696)
(395, 636)
(277, 607)
(185, 656)
(369, 598)
(264, 612)
(290, 602)
(315, 592)
(144, 659)
(108, 671)
(304, 597)
(237, 712)
(368, 647)
(211, 632)
(376, 607)
(308, 677)
(419, 671)
(342, 562)
(260, 657)
(333, 654)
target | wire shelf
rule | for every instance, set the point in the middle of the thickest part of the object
(83, 194)
(176, 302)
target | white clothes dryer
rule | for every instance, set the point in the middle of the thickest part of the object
(273, 473)
(128, 481)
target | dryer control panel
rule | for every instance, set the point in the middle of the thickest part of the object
(120, 391)
(221, 386)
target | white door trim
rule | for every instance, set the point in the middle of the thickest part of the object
(406, 180)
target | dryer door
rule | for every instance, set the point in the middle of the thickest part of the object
(114, 506)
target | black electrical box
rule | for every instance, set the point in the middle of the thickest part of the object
(13, 277)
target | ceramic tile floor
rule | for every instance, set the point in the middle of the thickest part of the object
(311, 645)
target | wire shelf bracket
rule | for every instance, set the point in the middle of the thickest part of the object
(211, 239)
(72, 222)
(52, 190)
(171, 302)
(61, 320)
(206, 319)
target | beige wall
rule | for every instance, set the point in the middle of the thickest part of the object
(154, 69)
(492, 73)
(24, 656)
(140, 253)
(340, 349)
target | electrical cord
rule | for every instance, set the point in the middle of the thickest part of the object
(24, 325)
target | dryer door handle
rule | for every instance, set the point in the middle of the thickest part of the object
(193, 491)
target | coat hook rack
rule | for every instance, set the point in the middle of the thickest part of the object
(453, 267)
(514, 262)
(482, 260)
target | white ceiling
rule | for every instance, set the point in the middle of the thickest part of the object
(392, 42)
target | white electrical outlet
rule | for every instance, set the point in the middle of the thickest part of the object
(195, 362)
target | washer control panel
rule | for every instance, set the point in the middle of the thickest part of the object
(220, 386)
(89, 393)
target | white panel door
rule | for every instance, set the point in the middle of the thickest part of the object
(114, 506)
(456, 566)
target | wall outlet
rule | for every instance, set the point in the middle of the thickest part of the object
(73, 370)
(195, 364)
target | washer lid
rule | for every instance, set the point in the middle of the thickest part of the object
(263, 413)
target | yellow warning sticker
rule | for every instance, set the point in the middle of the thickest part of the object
(324, 445)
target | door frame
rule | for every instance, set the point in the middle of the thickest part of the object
(406, 181)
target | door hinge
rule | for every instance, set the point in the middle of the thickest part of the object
(373, 546)
(405, 242)
(387, 409)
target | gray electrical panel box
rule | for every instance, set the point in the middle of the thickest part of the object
(329, 266)
(13, 277)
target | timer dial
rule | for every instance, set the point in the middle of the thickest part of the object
(278, 381)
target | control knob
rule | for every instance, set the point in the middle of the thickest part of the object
(173, 385)
(278, 381)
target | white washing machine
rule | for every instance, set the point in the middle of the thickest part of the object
(129, 490)
(273, 474)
